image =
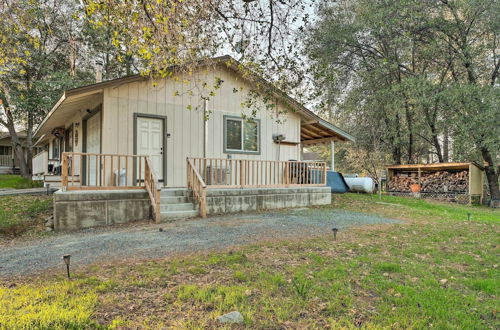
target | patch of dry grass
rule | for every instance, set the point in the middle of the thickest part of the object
(430, 271)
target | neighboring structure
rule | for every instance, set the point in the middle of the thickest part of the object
(8, 161)
(456, 182)
(129, 134)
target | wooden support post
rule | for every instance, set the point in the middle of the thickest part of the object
(157, 208)
(203, 203)
(287, 173)
(324, 173)
(64, 174)
(332, 155)
(242, 173)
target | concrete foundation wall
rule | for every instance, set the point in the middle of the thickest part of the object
(221, 201)
(85, 209)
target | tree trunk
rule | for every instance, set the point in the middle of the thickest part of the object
(446, 145)
(18, 151)
(16, 143)
(437, 146)
(29, 144)
(409, 123)
(492, 174)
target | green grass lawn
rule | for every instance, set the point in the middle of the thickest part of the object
(8, 181)
(436, 270)
(23, 215)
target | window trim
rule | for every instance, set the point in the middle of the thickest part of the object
(233, 151)
(58, 156)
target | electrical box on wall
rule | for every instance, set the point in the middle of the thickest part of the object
(278, 137)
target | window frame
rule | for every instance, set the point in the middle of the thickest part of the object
(242, 151)
(58, 155)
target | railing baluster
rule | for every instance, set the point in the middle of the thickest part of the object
(72, 170)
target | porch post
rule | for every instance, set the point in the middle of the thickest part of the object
(332, 152)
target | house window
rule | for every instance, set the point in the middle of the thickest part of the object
(4, 150)
(55, 148)
(68, 139)
(241, 136)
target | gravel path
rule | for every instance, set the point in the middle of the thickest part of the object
(146, 241)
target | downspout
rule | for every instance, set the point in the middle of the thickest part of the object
(205, 128)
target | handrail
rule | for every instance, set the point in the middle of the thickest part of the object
(153, 188)
(196, 183)
(93, 171)
(255, 173)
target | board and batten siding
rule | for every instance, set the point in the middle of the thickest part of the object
(186, 127)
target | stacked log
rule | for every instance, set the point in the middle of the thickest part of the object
(432, 182)
(446, 182)
(402, 183)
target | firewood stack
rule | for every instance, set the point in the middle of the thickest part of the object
(402, 183)
(446, 182)
(432, 182)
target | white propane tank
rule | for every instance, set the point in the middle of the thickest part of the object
(364, 185)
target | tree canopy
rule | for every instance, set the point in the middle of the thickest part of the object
(421, 74)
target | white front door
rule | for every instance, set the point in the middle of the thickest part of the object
(150, 142)
(93, 146)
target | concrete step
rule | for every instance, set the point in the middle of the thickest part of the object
(175, 200)
(173, 215)
(54, 184)
(172, 192)
(177, 207)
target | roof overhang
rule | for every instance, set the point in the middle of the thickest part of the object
(73, 100)
(320, 131)
(314, 129)
(433, 167)
(65, 109)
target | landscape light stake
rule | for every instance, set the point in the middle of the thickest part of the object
(66, 259)
(335, 230)
(468, 216)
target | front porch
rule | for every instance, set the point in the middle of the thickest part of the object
(123, 188)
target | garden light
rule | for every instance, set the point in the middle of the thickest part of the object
(335, 230)
(66, 259)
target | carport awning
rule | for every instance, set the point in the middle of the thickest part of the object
(321, 131)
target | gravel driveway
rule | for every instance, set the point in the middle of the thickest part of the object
(147, 241)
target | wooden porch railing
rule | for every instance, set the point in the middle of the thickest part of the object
(40, 163)
(6, 160)
(153, 188)
(92, 171)
(239, 173)
(206, 173)
(197, 185)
